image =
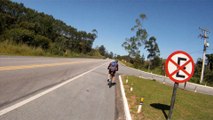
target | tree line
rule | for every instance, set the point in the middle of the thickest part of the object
(21, 25)
(208, 71)
(154, 63)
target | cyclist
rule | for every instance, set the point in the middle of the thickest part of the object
(112, 67)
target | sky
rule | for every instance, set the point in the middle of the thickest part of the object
(174, 23)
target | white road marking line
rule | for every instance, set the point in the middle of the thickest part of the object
(17, 105)
(125, 102)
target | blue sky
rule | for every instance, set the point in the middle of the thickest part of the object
(174, 23)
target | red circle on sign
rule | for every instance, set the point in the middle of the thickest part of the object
(179, 67)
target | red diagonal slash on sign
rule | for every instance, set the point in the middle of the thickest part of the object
(180, 67)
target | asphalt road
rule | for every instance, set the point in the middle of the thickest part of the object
(42, 88)
(85, 97)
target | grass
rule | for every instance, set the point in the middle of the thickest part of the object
(8, 48)
(127, 63)
(157, 96)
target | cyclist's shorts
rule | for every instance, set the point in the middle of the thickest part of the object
(112, 72)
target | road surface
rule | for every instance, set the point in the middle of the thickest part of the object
(86, 97)
(42, 88)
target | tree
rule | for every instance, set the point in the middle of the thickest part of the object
(197, 71)
(20, 36)
(209, 69)
(132, 44)
(41, 41)
(210, 61)
(152, 47)
(154, 52)
(102, 50)
(155, 62)
(138, 61)
(94, 34)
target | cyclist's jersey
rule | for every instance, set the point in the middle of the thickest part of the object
(113, 66)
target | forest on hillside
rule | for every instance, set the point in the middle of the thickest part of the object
(24, 26)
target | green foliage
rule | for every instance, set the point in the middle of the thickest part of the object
(109, 55)
(210, 61)
(22, 25)
(41, 41)
(155, 62)
(209, 77)
(95, 53)
(19, 36)
(7, 47)
(138, 62)
(208, 72)
(26, 25)
(55, 50)
(195, 79)
(102, 50)
(154, 52)
(132, 44)
(152, 47)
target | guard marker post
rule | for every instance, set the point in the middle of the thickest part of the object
(179, 68)
(140, 105)
(126, 81)
(195, 89)
(131, 88)
(164, 80)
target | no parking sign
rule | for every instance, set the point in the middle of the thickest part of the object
(179, 66)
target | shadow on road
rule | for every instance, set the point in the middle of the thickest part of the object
(111, 84)
(162, 107)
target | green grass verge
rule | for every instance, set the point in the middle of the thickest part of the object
(8, 48)
(157, 96)
(126, 63)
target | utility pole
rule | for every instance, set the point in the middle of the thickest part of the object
(206, 44)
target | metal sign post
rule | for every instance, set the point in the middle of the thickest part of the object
(173, 100)
(179, 68)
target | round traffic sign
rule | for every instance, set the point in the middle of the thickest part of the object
(179, 66)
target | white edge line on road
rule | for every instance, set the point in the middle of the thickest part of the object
(125, 103)
(17, 105)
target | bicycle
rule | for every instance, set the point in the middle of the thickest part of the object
(111, 80)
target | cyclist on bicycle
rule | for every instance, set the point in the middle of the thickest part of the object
(112, 67)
